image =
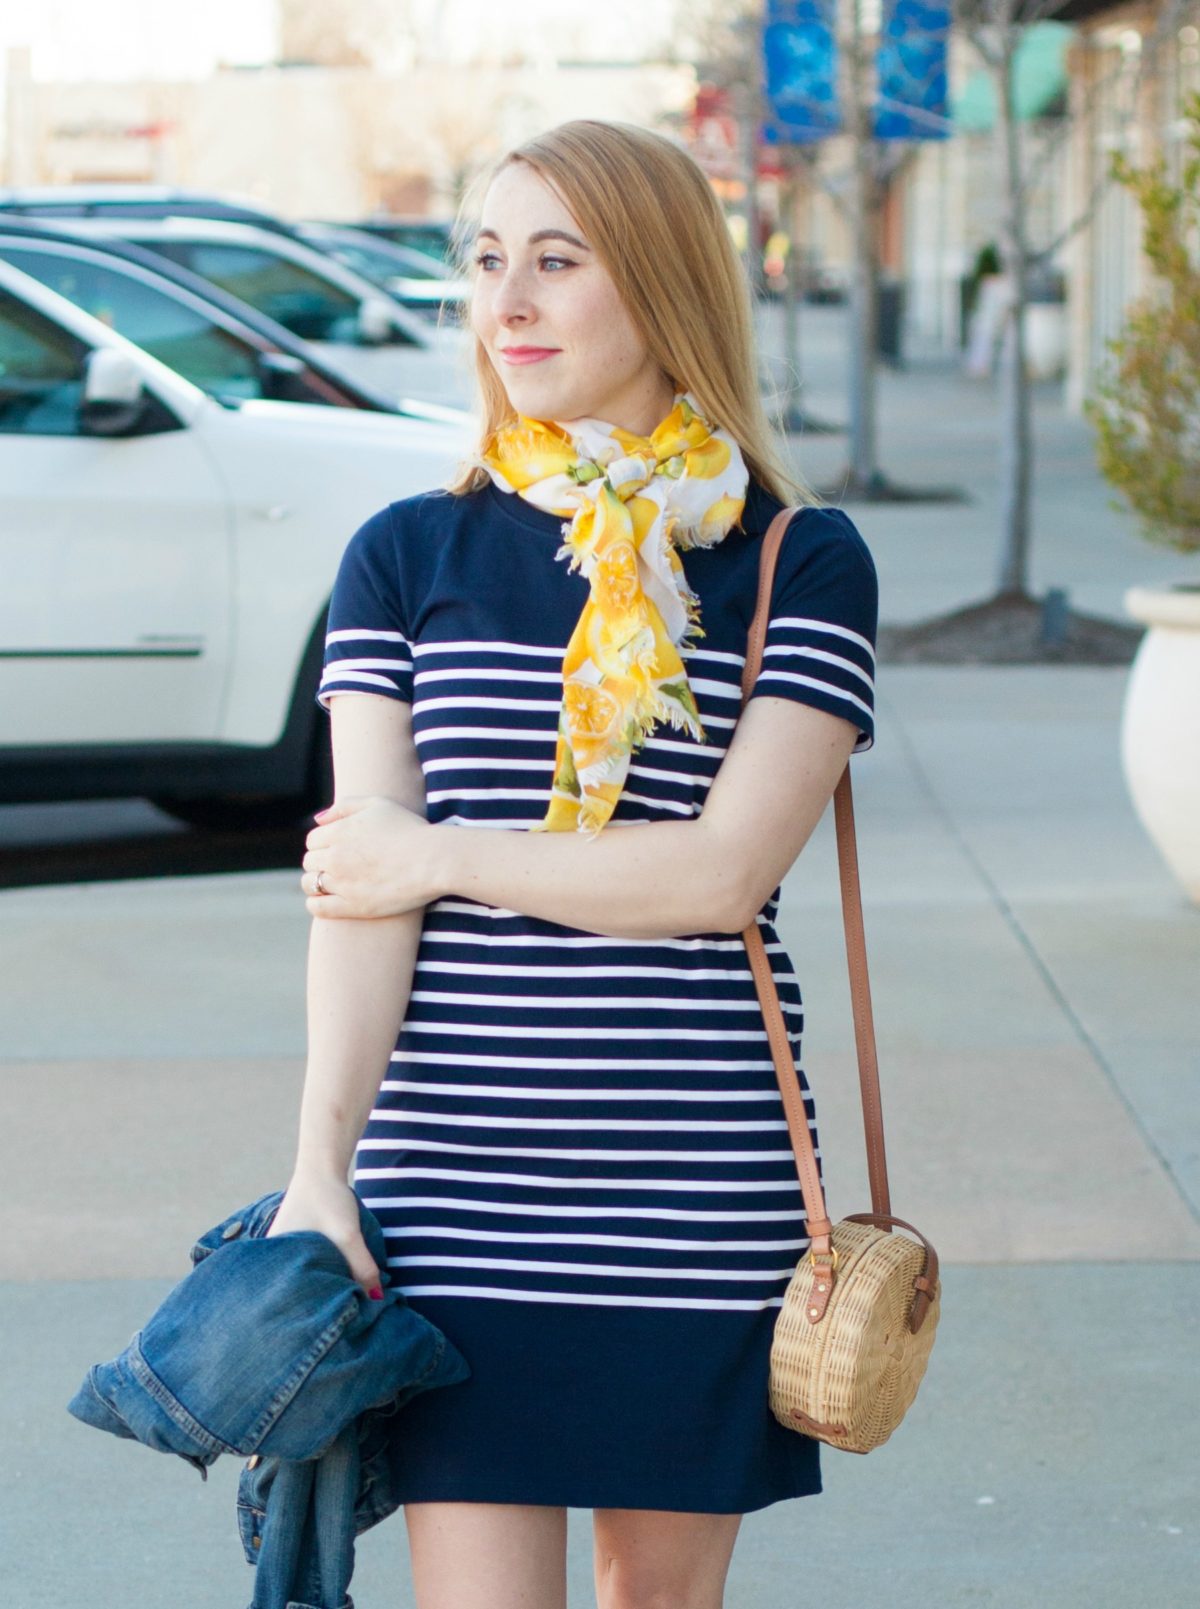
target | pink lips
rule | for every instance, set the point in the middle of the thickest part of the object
(527, 354)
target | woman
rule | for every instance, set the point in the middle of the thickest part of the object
(577, 1150)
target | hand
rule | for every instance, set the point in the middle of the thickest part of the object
(374, 858)
(328, 1205)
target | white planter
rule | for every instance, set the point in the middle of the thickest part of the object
(1160, 727)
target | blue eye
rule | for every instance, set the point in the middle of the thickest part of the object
(485, 257)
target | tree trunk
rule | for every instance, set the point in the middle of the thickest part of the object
(1016, 446)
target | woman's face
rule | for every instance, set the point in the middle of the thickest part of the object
(548, 313)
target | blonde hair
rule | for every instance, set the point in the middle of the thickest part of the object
(653, 220)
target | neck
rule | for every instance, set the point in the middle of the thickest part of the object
(638, 416)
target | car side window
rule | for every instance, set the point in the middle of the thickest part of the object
(311, 307)
(41, 373)
(177, 335)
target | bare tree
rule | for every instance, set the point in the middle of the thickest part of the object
(995, 29)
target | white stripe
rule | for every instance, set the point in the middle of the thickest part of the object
(799, 624)
(573, 1299)
(582, 1002)
(357, 676)
(478, 702)
(487, 704)
(636, 1125)
(465, 674)
(819, 653)
(501, 913)
(678, 809)
(374, 636)
(676, 746)
(537, 1182)
(519, 1092)
(471, 762)
(700, 684)
(533, 1265)
(336, 666)
(484, 1030)
(557, 1153)
(513, 734)
(812, 681)
(557, 1210)
(676, 974)
(486, 648)
(657, 1243)
(712, 653)
(653, 774)
(492, 823)
(438, 795)
(580, 1064)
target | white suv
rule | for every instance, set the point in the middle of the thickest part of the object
(168, 560)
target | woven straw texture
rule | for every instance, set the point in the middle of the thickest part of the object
(855, 1371)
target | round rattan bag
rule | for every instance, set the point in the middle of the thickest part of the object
(849, 1376)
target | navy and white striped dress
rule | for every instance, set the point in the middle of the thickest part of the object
(578, 1153)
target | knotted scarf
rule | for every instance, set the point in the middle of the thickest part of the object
(628, 502)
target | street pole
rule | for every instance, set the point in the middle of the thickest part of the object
(864, 469)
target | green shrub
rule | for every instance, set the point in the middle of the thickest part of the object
(1146, 406)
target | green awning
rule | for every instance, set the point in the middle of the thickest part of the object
(1039, 80)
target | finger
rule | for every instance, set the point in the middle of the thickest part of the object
(331, 905)
(340, 808)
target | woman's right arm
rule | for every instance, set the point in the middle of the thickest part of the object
(359, 979)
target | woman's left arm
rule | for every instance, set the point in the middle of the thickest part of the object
(654, 880)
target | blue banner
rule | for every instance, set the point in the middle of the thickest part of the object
(911, 99)
(800, 62)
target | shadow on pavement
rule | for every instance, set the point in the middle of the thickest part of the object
(116, 840)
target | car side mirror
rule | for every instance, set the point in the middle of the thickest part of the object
(282, 377)
(114, 399)
(374, 321)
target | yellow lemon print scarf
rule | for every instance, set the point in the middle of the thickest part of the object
(628, 502)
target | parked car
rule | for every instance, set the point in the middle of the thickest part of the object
(433, 236)
(168, 559)
(212, 339)
(357, 326)
(422, 283)
(68, 201)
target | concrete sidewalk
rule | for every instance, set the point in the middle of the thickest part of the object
(1034, 972)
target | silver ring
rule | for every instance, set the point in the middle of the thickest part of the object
(321, 889)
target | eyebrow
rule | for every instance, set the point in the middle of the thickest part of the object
(541, 234)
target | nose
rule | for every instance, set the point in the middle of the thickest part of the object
(512, 301)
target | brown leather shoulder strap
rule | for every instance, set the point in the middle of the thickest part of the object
(819, 1226)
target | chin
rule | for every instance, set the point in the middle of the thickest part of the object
(542, 401)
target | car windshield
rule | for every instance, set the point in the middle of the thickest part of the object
(312, 307)
(177, 335)
(379, 266)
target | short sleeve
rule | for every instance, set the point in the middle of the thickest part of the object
(367, 648)
(820, 641)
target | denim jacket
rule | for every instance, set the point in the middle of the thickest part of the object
(270, 1348)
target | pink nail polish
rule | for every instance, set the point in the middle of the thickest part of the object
(375, 1293)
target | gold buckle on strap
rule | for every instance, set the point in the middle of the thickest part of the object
(832, 1254)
